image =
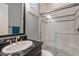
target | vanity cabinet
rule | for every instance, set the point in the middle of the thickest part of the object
(34, 50)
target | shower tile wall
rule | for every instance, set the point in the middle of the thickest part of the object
(52, 40)
(66, 44)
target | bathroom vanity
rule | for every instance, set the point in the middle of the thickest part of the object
(34, 50)
(16, 27)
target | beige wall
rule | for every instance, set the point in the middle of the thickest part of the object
(3, 19)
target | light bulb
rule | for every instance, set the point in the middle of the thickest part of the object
(48, 17)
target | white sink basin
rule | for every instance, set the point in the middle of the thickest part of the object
(16, 47)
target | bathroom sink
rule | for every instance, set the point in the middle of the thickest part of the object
(16, 47)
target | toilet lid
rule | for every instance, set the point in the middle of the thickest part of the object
(46, 53)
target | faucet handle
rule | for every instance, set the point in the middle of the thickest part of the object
(9, 40)
(18, 37)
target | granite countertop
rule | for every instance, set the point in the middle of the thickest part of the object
(35, 44)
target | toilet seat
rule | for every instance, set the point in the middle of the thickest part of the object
(46, 53)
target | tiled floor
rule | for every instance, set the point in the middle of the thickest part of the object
(56, 52)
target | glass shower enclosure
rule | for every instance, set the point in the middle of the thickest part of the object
(59, 30)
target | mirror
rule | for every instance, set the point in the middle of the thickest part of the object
(11, 19)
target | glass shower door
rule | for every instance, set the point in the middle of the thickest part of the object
(60, 36)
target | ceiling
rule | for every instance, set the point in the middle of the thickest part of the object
(64, 14)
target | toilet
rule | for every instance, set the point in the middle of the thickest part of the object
(46, 53)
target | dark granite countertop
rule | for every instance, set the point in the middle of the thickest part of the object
(35, 44)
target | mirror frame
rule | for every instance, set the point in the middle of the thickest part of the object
(24, 17)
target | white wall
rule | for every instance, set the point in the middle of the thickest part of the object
(32, 22)
(3, 19)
